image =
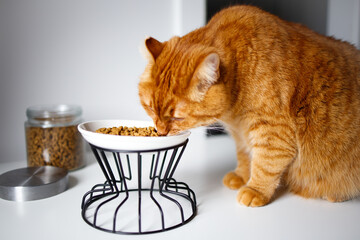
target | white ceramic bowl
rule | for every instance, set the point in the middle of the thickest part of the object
(131, 143)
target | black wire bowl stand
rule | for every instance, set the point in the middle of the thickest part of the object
(140, 195)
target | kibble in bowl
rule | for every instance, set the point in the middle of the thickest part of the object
(107, 140)
(130, 131)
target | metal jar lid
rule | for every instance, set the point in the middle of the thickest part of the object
(33, 183)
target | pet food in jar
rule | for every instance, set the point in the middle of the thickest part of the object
(52, 137)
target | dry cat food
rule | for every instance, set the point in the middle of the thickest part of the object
(130, 131)
(54, 146)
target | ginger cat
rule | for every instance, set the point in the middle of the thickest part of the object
(289, 97)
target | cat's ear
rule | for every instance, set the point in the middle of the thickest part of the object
(206, 74)
(153, 48)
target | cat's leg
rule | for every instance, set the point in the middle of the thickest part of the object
(271, 155)
(237, 178)
(263, 182)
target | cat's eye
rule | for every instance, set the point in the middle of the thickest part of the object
(151, 109)
(176, 119)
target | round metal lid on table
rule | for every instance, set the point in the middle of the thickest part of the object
(33, 183)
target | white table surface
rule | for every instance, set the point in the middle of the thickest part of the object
(202, 167)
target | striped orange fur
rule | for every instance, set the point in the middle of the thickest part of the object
(289, 97)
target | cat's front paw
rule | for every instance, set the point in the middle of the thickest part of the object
(233, 181)
(336, 199)
(251, 198)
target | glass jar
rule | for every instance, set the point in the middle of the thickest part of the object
(52, 137)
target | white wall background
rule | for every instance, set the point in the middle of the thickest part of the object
(343, 20)
(79, 52)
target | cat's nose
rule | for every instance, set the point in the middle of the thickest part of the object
(162, 132)
(162, 128)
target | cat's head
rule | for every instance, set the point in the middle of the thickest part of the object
(180, 87)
